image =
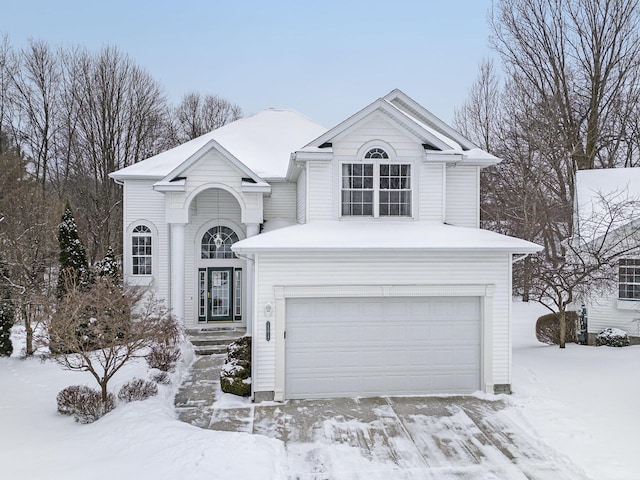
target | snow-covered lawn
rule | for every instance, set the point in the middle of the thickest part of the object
(582, 402)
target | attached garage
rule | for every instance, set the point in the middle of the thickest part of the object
(370, 346)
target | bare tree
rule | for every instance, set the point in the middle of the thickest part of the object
(197, 114)
(588, 261)
(101, 329)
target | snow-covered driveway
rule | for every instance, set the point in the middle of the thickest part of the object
(401, 438)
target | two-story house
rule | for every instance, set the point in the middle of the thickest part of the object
(353, 255)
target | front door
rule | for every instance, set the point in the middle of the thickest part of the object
(220, 294)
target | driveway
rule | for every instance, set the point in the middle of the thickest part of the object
(382, 438)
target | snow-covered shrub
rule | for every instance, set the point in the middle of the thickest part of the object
(612, 337)
(137, 389)
(163, 357)
(235, 375)
(161, 378)
(84, 403)
(548, 328)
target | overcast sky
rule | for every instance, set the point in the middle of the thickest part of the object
(326, 59)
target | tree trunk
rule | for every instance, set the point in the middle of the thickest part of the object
(526, 285)
(103, 386)
(29, 330)
(563, 328)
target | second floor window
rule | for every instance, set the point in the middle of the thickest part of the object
(629, 279)
(379, 189)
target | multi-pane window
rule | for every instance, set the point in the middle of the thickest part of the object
(629, 278)
(141, 250)
(357, 189)
(225, 238)
(379, 189)
(395, 190)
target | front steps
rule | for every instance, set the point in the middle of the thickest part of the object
(214, 341)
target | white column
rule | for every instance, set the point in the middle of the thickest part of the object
(177, 271)
(252, 229)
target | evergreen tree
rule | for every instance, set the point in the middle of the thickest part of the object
(74, 269)
(7, 311)
(108, 266)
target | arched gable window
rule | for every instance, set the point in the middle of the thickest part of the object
(222, 248)
(141, 250)
(376, 153)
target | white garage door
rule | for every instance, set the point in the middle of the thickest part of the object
(343, 347)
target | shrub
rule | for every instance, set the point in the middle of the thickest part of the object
(137, 389)
(161, 378)
(84, 403)
(235, 375)
(163, 357)
(612, 337)
(548, 328)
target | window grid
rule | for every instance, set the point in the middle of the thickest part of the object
(202, 302)
(629, 279)
(238, 292)
(357, 189)
(395, 190)
(209, 249)
(220, 294)
(141, 250)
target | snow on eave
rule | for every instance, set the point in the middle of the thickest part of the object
(377, 235)
(405, 121)
(416, 110)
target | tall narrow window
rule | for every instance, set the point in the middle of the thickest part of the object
(395, 190)
(357, 189)
(202, 291)
(141, 250)
(237, 293)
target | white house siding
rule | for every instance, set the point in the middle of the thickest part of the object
(144, 205)
(431, 198)
(367, 269)
(613, 313)
(462, 196)
(301, 198)
(282, 201)
(204, 213)
(319, 196)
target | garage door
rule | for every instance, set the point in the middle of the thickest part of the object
(343, 347)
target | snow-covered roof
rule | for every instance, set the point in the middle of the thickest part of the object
(262, 142)
(376, 235)
(606, 199)
(422, 123)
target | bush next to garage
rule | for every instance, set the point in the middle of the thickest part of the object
(612, 337)
(235, 375)
(548, 328)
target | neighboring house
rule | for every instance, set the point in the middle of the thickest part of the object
(600, 199)
(353, 255)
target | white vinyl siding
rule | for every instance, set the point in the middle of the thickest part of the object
(462, 196)
(421, 269)
(431, 198)
(610, 312)
(281, 203)
(301, 198)
(143, 205)
(320, 184)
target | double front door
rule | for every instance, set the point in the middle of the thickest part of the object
(220, 290)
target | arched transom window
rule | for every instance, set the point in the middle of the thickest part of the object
(376, 153)
(222, 247)
(141, 250)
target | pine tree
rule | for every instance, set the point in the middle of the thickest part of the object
(74, 269)
(108, 266)
(7, 311)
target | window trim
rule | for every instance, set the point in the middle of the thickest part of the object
(635, 272)
(376, 186)
(149, 233)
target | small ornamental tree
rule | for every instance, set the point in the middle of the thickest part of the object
(74, 269)
(7, 311)
(101, 327)
(108, 266)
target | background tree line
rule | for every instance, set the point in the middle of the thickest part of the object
(566, 98)
(68, 118)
